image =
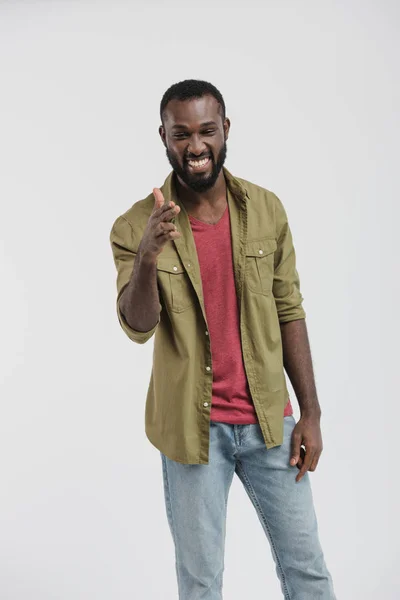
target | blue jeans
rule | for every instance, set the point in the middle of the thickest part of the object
(196, 501)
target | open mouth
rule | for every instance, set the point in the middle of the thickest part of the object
(199, 165)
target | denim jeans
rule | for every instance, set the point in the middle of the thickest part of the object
(196, 502)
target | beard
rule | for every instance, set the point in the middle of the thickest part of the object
(198, 182)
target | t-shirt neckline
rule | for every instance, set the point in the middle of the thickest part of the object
(210, 224)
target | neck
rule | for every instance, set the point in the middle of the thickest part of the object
(211, 197)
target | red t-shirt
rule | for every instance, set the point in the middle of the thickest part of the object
(231, 398)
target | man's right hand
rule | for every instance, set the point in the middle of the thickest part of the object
(159, 230)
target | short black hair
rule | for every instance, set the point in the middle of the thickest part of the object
(191, 88)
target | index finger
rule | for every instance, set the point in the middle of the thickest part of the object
(160, 205)
(306, 464)
(159, 200)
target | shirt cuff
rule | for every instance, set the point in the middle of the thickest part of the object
(292, 315)
(140, 337)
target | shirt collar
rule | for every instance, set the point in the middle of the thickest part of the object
(238, 190)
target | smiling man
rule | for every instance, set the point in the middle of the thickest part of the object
(207, 265)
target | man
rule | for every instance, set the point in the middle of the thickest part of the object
(207, 264)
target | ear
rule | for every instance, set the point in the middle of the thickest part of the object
(227, 126)
(161, 131)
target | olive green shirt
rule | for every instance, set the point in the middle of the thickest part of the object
(178, 403)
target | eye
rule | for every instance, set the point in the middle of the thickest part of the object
(180, 136)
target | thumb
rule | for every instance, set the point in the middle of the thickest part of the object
(158, 198)
(295, 447)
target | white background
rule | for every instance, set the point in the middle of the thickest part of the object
(312, 91)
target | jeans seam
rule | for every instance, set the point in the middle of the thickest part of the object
(226, 510)
(169, 510)
(257, 505)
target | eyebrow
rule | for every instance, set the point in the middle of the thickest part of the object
(205, 124)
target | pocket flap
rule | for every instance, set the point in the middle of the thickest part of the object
(260, 248)
(171, 265)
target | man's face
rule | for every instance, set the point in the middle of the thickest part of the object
(193, 131)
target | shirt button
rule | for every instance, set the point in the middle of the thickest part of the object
(188, 264)
(208, 368)
(205, 404)
(175, 268)
(260, 252)
(206, 332)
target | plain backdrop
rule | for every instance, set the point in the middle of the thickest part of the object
(312, 91)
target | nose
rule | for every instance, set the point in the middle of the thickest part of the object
(196, 146)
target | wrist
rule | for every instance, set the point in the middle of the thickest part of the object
(311, 413)
(147, 259)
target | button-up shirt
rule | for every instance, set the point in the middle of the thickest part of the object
(177, 412)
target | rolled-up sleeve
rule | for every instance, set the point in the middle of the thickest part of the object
(121, 239)
(286, 285)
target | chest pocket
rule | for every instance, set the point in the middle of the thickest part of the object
(175, 284)
(260, 265)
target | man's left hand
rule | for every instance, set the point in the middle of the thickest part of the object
(307, 432)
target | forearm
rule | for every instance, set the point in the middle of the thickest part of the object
(140, 303)
(298, 365)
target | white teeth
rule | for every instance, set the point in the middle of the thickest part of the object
(198, 163)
